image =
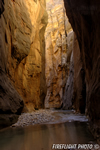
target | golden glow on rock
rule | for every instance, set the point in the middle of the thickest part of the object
(56, 52)
(25, 25)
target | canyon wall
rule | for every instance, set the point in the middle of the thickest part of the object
(23, 25)
(79, 85)
(22, 57)
(84, 18)
(58, 38)
(69, 89)
(11, 103)
(75, 89)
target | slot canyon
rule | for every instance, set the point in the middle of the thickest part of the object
(49, 63)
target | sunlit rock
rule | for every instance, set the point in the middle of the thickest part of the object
(58, 38)
(11, 103)
(22, 31)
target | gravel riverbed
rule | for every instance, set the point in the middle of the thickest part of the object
(37, 117)
(44, 116)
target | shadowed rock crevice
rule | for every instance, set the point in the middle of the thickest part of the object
(79, 85)
(1, 7)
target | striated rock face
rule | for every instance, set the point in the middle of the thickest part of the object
(22, 27)
(57, 36)
(84, 18)
(11, 103)
(75, 89)
(68, 94)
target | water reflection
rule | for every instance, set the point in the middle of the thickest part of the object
(42, 137)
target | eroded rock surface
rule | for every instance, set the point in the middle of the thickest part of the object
(79, 86)
(84, 18)
(11, 103)
(58, 39)
(69, 89)
(22, 58)
(22, 27)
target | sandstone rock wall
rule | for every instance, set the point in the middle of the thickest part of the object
(11, 103)
(84, 18)
(58, 39)
(23, 25)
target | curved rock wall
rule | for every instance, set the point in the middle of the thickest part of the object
(84, 18)
(79, 85)
(23, 38)
(22, 58)
(11, 103)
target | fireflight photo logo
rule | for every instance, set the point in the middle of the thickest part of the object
(76, 146)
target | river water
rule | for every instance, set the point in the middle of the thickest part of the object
(72, 130)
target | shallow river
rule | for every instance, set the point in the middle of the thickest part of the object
(42, 137)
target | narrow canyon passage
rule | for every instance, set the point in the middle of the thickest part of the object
(59, 38)
(49, 73)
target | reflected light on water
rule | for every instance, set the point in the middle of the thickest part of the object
(42, 137)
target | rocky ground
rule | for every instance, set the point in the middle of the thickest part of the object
(35, 117)
(49, 116)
